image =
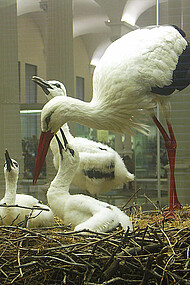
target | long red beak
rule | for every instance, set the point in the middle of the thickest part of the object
(45, 139)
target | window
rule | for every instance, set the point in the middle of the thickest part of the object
(30, 86)
(29, 121)
(30, 141)
(80, 88)
(80, 131)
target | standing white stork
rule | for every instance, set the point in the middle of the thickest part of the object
(15, 215)
(138, 70)
(82, 211)
(101, 168)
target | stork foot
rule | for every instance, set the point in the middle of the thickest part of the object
(177, 205)
(170, 215)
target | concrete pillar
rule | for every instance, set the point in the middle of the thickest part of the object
(59, 51)
(60, 63)
(9, 93)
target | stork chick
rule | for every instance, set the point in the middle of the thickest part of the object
(83, 212)
(15, 215)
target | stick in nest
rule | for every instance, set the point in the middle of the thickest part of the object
(24, 207)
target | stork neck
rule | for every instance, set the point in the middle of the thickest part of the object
(66, 131)
(10, 191)
(89, 114)
(60, 185)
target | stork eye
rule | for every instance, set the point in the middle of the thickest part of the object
(48, 118)
(71, 151)
(57, 85)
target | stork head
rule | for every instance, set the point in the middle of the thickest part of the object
(52, 88)
(11, 167)
(53, 116)
(69, 157)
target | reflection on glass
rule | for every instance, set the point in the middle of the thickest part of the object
(30, 143)
(146, 155)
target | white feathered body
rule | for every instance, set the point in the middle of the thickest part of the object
(82, 211)
(15, 215)
(130, 67)
(8, 215)
(100, 169)
(122, 82)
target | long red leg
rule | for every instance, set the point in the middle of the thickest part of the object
(172, 150)
(171, 145)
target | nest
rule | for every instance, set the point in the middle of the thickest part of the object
(157, 252)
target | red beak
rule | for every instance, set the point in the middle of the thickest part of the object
(45, 139)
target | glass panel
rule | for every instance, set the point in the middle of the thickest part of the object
(82, 131)
(148, 190)
(80, 88)
(30, 142)
(31, 87)
(141, 152)
(146, 155)
(19, 82)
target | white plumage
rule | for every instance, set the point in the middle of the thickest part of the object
(122, 83)
(138, 70)
(82, 211)
(100, 168)
(16, 215)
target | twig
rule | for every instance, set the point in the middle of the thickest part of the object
(171, 247)
(187, 263)
(18, 258)
(113, 255)
(156, 236)
(132, 196)
(156, 207)
(26, 264)
(147, 270)
(38, 257)
(14, 219)
(3, 272)
(115, 280)
(142, 243)
(24, 207)
(100, 240)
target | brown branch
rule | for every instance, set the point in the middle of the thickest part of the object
(24, 207)
(132, 196)
(147, 270)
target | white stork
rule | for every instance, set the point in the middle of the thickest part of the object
(101, 168)
(138, 70)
